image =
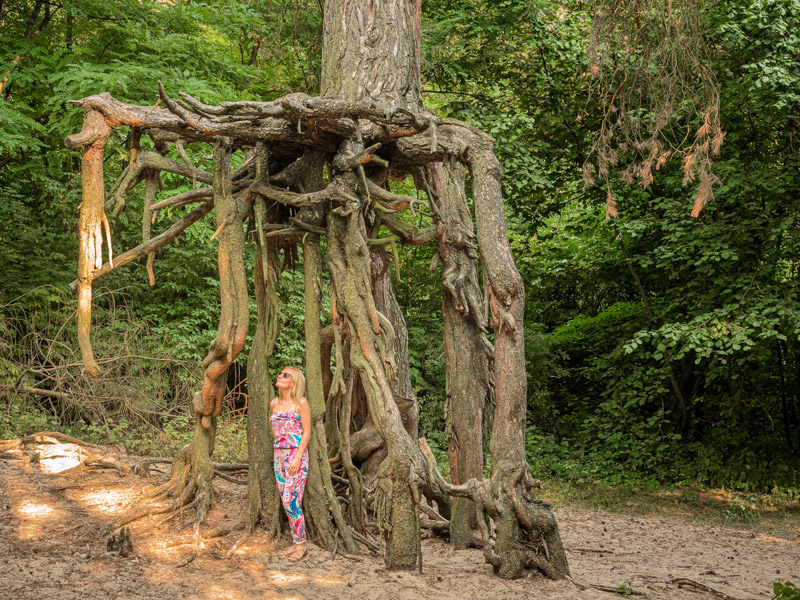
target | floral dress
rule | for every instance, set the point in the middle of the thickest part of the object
(287, 430)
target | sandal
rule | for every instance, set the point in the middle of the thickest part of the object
(298, 554)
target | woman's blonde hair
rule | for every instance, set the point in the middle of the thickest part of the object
(299, 387)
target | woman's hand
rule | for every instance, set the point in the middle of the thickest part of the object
(294, 464)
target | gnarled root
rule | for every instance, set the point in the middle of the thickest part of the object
(508, 502)
(189, 486)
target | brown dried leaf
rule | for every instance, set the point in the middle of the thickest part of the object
(627, 177)
(705, 191)
(611, 206)
(588, 174)
(688, 167)
(704, 130)
(716, 143)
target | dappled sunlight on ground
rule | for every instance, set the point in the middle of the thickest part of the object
(53, 546)
(327, 580)
(60, 457)
(105, 502)
(35, 516)
(279, 578)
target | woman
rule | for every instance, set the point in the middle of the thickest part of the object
(291, 430)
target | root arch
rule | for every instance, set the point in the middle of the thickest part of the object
(370, 478)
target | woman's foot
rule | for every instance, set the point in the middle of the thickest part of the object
(298, 553)
(288, 551)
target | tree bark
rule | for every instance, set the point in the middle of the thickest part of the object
(321, 505)
(514, 513)
(234, 308)
(466, 348)
(372, 51)
(263, 501)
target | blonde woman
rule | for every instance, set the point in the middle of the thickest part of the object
(291, 430)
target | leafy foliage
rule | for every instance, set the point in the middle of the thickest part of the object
(785, 591)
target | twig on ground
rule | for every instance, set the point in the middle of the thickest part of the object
(682, 581)
(187, 560)
(623, 590)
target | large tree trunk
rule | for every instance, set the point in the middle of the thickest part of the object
(514, 511)
(372, 51)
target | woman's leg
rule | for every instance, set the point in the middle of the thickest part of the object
(291, 488)
(280, 464)
(293, 498)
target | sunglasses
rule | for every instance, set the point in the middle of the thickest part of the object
(285, 375)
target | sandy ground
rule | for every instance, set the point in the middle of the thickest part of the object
(51, 548)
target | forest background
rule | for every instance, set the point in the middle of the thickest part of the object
(662, 349)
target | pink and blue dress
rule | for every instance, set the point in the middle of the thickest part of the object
(287, 431)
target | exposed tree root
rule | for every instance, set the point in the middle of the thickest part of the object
(189, 485)
(49, 437)
(531, 517)
(683, 582)
(371, 415)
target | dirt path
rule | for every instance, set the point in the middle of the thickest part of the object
(51, 549)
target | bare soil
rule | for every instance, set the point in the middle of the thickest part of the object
(51, 547)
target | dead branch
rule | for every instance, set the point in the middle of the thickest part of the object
(48, 437)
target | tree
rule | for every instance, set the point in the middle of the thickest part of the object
(369, 126)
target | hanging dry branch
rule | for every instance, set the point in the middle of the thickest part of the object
(655, 93)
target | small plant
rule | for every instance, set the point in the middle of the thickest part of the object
(785, 591)
(626, 589)
(742, 508)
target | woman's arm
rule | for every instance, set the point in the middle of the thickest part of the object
(305, 419)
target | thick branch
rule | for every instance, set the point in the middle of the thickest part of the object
(190, 197)
(92, 139)
(291, 198)
(406, 231)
